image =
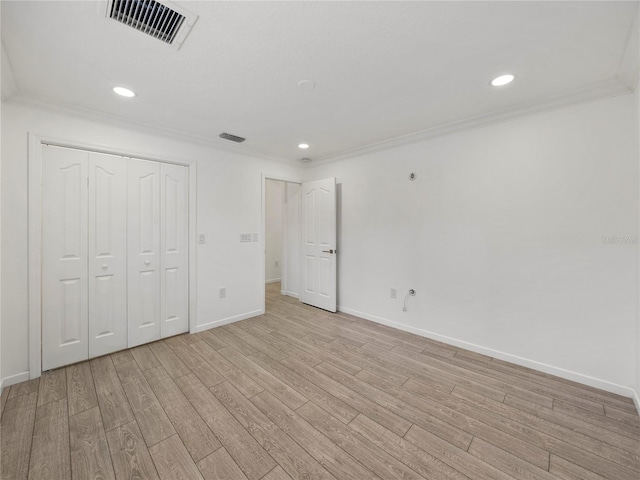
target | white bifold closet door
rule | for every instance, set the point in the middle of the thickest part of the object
(158, 251)
(65, 314)
(114, 253)
(107, 254)
(144, 251)
(174, 245)
(84, 294)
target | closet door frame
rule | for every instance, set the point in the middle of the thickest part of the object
(35, 233)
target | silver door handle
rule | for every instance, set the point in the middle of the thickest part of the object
(104, 265)
(330, 251)
(147, 262)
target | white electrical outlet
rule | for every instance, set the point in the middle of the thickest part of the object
(394, 293)
(202, 239)
(222, 293)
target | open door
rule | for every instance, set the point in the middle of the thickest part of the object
(318, 260)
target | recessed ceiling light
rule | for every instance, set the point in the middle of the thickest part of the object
(303, 145)
(502, 80)
(125, 92)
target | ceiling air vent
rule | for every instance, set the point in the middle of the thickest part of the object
(164, 21)
(233, 138)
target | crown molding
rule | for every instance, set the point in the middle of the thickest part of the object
(20, 98)
(609, 88)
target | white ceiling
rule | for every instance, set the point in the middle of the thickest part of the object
(382, 70)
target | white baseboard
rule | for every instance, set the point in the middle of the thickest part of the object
(13, 379)
(524, 362)
(289, 294)
(225, 321)
(636, 400)
(273, 280)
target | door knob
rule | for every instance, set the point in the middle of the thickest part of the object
(147, 262)
(327, 251)
(104, 265)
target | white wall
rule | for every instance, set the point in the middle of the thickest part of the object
(274, 236)
(1, 90)
(4, 71)
(229, 203)
(502, 237)
(637, 128)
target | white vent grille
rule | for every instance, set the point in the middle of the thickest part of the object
(164, 21)
(233, 138)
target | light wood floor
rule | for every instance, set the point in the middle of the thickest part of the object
(301, 393)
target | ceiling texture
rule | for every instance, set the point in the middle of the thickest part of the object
(384, 72)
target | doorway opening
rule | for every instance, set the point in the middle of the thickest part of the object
(299, 231)
(282, 240)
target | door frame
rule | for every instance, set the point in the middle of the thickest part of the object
(263, 233)
(34, 155)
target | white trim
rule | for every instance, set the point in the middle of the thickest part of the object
(13, 379)
(525, 362)
(636, 400)
(193, 246)
(273, 280)
(34, 155)
(20, 98)
(225, 321)
(289, 294)
(284, 244)
(35, 254)
(606, 89)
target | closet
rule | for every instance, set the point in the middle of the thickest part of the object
(114, 253)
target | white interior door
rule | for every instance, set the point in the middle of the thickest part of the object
(107, 254)
(319, 244)
(64, 257)
(174, 247)
(143, 240)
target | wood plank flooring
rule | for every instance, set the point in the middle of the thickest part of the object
(302, 393)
